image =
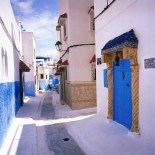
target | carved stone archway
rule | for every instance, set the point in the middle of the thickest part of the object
(131, 54)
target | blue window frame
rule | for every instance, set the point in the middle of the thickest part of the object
(105, 75)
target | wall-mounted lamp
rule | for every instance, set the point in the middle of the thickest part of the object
(58, 45)
(117, 60)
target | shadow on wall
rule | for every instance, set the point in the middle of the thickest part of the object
(9, 97)
(4, 64)
(18, 91)
(16, 56)
(29, 88)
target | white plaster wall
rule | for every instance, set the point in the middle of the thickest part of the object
(50, 69)
(119, 18)
(102, 93)
(29, 51)
(10, 21)
(45, 71)
(6, 38)
(78, 32)
(19, 34)
(64, 8)
(79, 22)
(79, 66)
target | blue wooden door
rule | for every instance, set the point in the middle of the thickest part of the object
(122, 103)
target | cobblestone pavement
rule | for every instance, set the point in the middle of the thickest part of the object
(57, 138)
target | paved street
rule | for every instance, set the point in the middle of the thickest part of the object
(57, 138)
(43, 126)
(39, 133)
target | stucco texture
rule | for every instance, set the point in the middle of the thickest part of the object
(10, 102)
(29, 88)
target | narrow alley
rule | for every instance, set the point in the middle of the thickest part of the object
(57, 138)
(76, 77)
(45, 126)
(38, 131)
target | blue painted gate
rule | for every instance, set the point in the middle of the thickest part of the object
(122, 104)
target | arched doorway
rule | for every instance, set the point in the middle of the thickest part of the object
(123, 47)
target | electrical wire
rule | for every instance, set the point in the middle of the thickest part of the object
(108, 5)
(75, 46)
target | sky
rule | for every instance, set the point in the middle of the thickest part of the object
(39, 17)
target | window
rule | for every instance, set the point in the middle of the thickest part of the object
(4, 63)
(62, 21)
(93, 72)
(91, 19)
(41, 76)
(65, 31)
(105, 74)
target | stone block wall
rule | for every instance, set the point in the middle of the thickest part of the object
(80, 95)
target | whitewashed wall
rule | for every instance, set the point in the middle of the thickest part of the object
(79, 58)
(116, 20)
(13, 52)
(29, 51)
(64, 8)
(10, 53)
(78, 32)
(79, 22)
(44, 71)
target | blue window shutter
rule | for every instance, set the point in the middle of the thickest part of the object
(105, 72)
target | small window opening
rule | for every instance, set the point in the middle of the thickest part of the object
(4, 63)
(93, 72)
(91, 20)
(41, 76)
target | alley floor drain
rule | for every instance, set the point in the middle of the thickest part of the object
(66, 139)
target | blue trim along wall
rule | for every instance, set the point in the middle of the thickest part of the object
(10, 102)
(29, 88)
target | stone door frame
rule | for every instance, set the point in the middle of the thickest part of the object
(131, 54)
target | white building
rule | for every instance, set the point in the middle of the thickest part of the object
(11, 67)
(45, 72)
(76, 33)
(129, 58)
(29, 51)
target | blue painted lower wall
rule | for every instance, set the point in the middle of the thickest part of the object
(10, 102)
(29, 88)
